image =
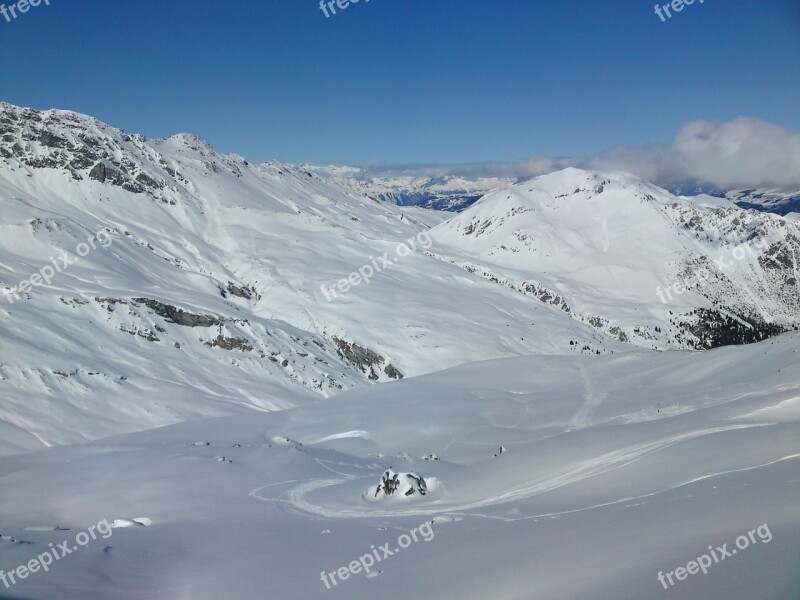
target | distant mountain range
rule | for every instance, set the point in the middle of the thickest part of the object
(456, 193)
(780, 202)
(447, 192)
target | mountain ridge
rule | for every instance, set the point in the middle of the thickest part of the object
(211, 297)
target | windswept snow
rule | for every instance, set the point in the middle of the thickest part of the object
(681, 451)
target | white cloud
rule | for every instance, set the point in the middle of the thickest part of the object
(745, 152)
(741, 152)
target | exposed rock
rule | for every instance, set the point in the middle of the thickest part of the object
(246, 292)
(100, 172)
(230, 343)
(400, 484)
(178, 316)
(51, 140)
(358, 355)
(146, 333)
(365, 359)
(392, 372)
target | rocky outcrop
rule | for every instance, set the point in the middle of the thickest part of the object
(243, 291)
(177, 315)
(400, 485)
(392, 372)
(365, 359)
(75, 144)
(230, 343)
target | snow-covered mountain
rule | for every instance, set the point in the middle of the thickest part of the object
(445, 192)
(456, 193)
(633, 260)
(211, 286)
(305, 373)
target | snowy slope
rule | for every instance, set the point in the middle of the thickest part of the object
(613, 469)
(243, 251)
(614, 251)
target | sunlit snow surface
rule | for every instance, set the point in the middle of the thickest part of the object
(573, 465)
(615, 468)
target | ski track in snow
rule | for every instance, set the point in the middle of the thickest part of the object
(296, 498)
(632, 498)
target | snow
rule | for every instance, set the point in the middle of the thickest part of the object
(613, 246)
(673, 452)
(189, 385)
(98, 364)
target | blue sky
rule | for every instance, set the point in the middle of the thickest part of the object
(407, 81)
